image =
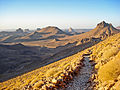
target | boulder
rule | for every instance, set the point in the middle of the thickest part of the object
(44, 87)
(54, 81)
(50, 86)
(76, 69)
(63, 74)
(93, 77)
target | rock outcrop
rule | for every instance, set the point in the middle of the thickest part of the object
(19, 30)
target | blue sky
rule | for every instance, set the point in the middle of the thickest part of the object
(62, 13)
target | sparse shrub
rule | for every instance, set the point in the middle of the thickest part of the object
(57, 74)
(38, 84)
(34, 80)
(51, 72)
(111, 70)
(110, 52)
(67, 65)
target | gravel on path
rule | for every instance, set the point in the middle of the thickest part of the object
(81, 81)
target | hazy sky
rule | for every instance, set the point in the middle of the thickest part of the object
(62, 13)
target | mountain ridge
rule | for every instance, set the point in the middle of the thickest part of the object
(102, 30)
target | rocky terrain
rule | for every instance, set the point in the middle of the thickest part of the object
(58, 59)
(106, 55)
(81, 81)
(17, 59)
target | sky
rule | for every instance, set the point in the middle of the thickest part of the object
(34, 14)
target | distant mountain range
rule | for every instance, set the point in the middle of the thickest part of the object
(102, 30)
(49, 32)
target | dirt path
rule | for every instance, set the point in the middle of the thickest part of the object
(80, 82)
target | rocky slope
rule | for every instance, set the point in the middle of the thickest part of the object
(58, 74)
(17, 59)
(80, 42)
(106, 55)
(55, 75)
(105, 62)
(51, 76)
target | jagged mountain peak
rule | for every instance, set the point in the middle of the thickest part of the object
(70, 30)
(104, 29)
(103, 24)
